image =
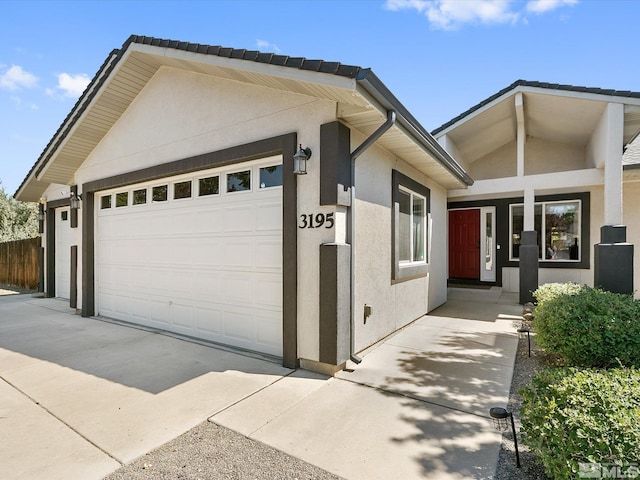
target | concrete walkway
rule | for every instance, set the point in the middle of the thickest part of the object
(79, 397)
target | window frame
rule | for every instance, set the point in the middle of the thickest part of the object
(542, 233)
(403, 270)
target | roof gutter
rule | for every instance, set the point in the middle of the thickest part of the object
(381, 94)
(391, 120)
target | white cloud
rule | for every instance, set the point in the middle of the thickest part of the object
(16, 78)
(543, 6)
(72, 85)
(263, 45)
(452, 14)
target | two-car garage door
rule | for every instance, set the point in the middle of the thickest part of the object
(198, 254)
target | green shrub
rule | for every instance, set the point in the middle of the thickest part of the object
(588, 327)
(572, 416)
(549, 291)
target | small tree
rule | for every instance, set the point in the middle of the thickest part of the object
(18, 220)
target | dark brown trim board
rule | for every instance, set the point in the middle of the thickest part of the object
(73, 288)
(284, 145)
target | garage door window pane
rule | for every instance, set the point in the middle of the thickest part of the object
(209, 186)
(159, 193)
(105, 202)
(182, 190)
(122, 199)
(64, 215)
(271, 176)
(239, 181)
(140, 197)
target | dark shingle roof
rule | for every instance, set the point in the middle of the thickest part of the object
(301, 63)
(550, 86)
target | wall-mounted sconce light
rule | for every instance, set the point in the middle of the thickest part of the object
(300, 160)
(499, 416)
(41, 214)
(74, 201)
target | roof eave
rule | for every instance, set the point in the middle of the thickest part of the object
(379, 91)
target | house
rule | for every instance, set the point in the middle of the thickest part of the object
(553, 192)
(281, 205)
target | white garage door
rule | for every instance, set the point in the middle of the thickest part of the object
(198, 254)
(64, 238)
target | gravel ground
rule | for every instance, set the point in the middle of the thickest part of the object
(210, 452)
(525, 368)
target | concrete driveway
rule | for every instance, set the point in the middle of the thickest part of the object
(79, 397)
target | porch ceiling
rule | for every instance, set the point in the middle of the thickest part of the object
(555, 115)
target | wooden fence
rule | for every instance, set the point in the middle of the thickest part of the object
(19, 263)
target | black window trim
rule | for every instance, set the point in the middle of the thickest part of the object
(407, 272)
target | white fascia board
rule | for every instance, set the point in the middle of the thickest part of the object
(539, 183)
(598, 97)
(291, 73)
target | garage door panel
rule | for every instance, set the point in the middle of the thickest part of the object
(269, 217)
(238, 326)
(208, 267)
(238, 254)
(239, 219)
(208, 321)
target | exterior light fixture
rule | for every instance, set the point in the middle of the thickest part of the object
(528, 332)
(41, 213)
(74, 201)
(300, 160)
(499, 416)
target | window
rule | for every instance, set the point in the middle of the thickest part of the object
(105, 202)
(208, 186)
(410, 224)
(122, 199)
(558, 223)
(140, 196)
(64, 215)
(271, 176)
(239, 181)
(182, 190)
(159, 193)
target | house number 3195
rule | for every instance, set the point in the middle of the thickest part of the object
(316, 220)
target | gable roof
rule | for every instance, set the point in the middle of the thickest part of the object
(559, 113)
(546, 85)
(361, 97)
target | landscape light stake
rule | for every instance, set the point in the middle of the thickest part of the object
(499, 416)
(528, 332)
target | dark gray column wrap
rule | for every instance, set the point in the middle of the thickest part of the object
(73, 287)
(41, 267)
(335, 164)
(613, 260)
(529, 256)
(335, 303)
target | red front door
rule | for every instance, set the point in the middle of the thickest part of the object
(464, 244)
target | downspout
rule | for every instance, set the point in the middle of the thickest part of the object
(391, 119)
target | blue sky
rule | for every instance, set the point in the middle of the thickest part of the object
(438, 57)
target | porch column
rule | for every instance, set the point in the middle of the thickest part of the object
(613, 256)
(528, 271)
(529, 251)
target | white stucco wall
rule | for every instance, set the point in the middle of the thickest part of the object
(394, 305)
(544, 156)
(631, 196)
(497, 164)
